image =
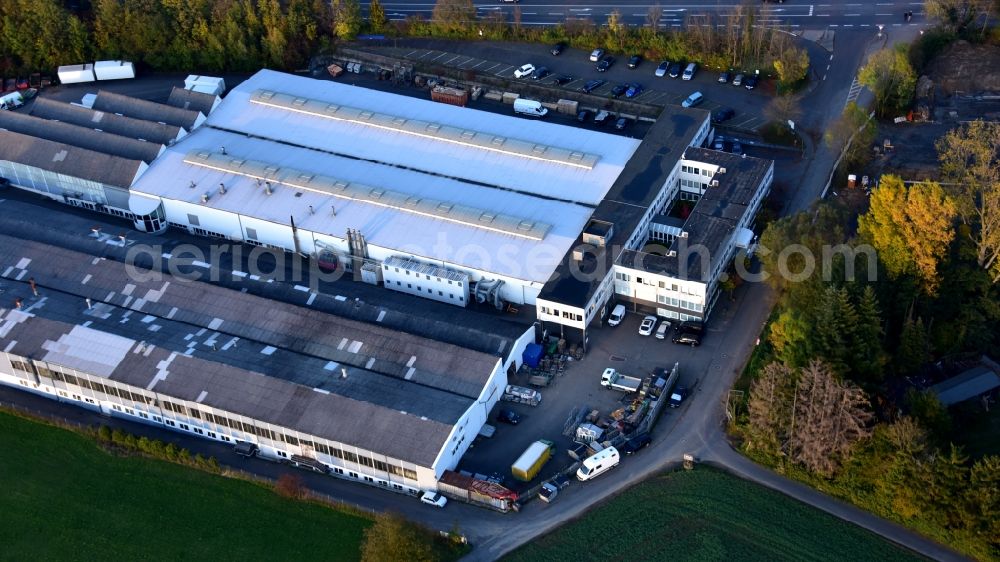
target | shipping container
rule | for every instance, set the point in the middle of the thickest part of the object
(453, 96)
(76, 73)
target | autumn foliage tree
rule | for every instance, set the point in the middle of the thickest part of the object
(809, 414)
(890, 76)
(911, 227)
(792, 64)
(970, 158)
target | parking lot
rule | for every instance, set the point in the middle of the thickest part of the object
(501, 61)
(579, 388)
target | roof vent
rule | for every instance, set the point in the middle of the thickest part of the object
(714, 183)
(672, 254)
(204, 197)
(267, 188)
(222, 188)
(722, 170)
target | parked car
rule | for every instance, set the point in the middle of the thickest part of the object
(592, 85)
(687, 338)
(750, 83)
(551, 488)
(524, 71)
(723, 77)
(719, 144)
(596, 55)
(563, 79)
(604, 64)
(662, 68)
(634, 61)
(677, 396)
(738, 81)
(602, 117)
(693, 100)
(558, 48)
(508, 416)
(646, 328)
(622, 123)
(635, 444)
(675, 70)
(722, 115)
(633, 90)
(433, 498)
(690, 71)
(618, 90)
(540, 72)
(661, 331)
(583, 115)
(691, 326)
(737, 148)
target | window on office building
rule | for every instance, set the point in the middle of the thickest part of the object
(193, 220)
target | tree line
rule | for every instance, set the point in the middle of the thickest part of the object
(244, 35)
(829, 402)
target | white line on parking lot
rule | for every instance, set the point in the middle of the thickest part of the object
(477, 66)
(407, 55)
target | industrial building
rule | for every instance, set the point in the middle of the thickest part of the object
(364, 400)
(428, 199)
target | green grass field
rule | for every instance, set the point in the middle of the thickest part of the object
(707, 515)
(64, 498)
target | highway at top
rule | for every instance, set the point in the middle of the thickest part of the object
(793, 13)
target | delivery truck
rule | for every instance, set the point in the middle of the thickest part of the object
(530, 108)
(531, 460)
(617, 381)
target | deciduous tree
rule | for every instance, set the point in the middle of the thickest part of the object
(792, 65)
(828, 418)
(854, 127)
(770, 404)
(970, 158)
(911, 228)
(346, 18)
(454, 16)
(889, 75)
(376, 16)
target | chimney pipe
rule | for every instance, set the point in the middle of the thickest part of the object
(311, 210)
(17, 305)
(343, 372)
(222, 188)
(34, 287)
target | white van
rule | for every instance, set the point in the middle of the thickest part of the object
(598, 464)
(689, 71)
(530, 108)
(617, 315)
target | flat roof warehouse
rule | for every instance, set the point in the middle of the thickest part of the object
(202, 343)
(446, 184)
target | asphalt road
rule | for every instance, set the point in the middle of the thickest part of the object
(794, 14)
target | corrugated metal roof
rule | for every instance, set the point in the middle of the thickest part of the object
(81, 137)
(108, 122)
(69, 160)
(147, 110)
(194, 101)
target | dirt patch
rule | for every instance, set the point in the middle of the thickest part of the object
(967, 68)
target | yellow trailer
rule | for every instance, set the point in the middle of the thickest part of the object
(531, 460)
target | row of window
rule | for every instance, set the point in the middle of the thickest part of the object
(687, 196)
(697, 171)
(679, 303)
(565, 314)
(621, 276)
(691, 184)
(430, 291)
(438, 279)
(180, 409)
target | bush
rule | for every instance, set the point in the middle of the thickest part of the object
(392, 538)
(290, 486)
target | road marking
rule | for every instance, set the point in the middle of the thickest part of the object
(810, 9)
(883, 14)
(853, 15)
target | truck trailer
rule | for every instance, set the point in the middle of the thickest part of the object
(531, 460)
(617, 381)
(113, 70)
(76, 73)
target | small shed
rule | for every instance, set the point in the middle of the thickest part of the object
(970, 384)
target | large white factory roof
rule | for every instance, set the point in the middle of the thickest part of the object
(437, 181)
